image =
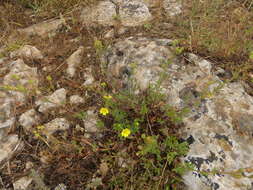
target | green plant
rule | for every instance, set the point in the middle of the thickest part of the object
(98, 45)
(139, 122)
(147, 26)
(14, 46)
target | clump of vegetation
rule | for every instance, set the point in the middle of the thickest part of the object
(147, 132)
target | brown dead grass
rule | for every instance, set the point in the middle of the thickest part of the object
(220, 30)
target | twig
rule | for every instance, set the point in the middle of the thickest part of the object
(162, 174)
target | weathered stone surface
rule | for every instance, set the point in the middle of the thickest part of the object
(111, 33)
(74, 61)
(130, 13)
(172, 7)
(57, 99)
(103, 13)
(27, 52)
(137, 61)
(75, 99)
(6, 110)
(90, 124)
(58, 124)
(88, 77)
(22, 183)
(29, 119)
(8, 146)
(219, 124)
(60, 187)
(21, 81)
(133, 12)
(42, 29)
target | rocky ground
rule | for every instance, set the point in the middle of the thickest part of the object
(55, 71)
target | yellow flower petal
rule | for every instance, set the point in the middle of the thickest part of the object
(107, 97)
(125, 132)
(104, 111)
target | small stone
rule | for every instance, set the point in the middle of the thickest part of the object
(42, 29)
(22, 183)
(172, 7)
(58, 124)
(90, 122)
(29, 119)
(88, 77)
(29, 165)
(8, 146)
(27, 52)
(61, 187)
(110, 34)
(57, 99)
(74, 61)
(75, 99)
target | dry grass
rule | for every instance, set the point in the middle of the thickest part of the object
(221, 30)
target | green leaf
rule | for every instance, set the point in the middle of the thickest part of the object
(251, 55)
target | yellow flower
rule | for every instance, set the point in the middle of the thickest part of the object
(126, 132)
(40, 127)
(107, 97)
(103, 84)
(104, 111)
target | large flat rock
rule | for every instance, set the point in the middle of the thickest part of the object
(219, 125)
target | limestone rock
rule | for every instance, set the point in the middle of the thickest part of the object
(58, 124)
(136, 61)
(29, 119)
(21, 81)
(75, 99)
(8, 146)
(16, 86)
(42, 29)
(102, 13)
(74, 61)
(90, 124)
(22, 183)
(7, 118)
(27, 52)
(219, 124)
(172, 7)
(131, 13)
(60, 187)
(57, 99)
(88, 77)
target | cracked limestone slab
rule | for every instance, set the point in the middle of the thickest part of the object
(219, 122)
